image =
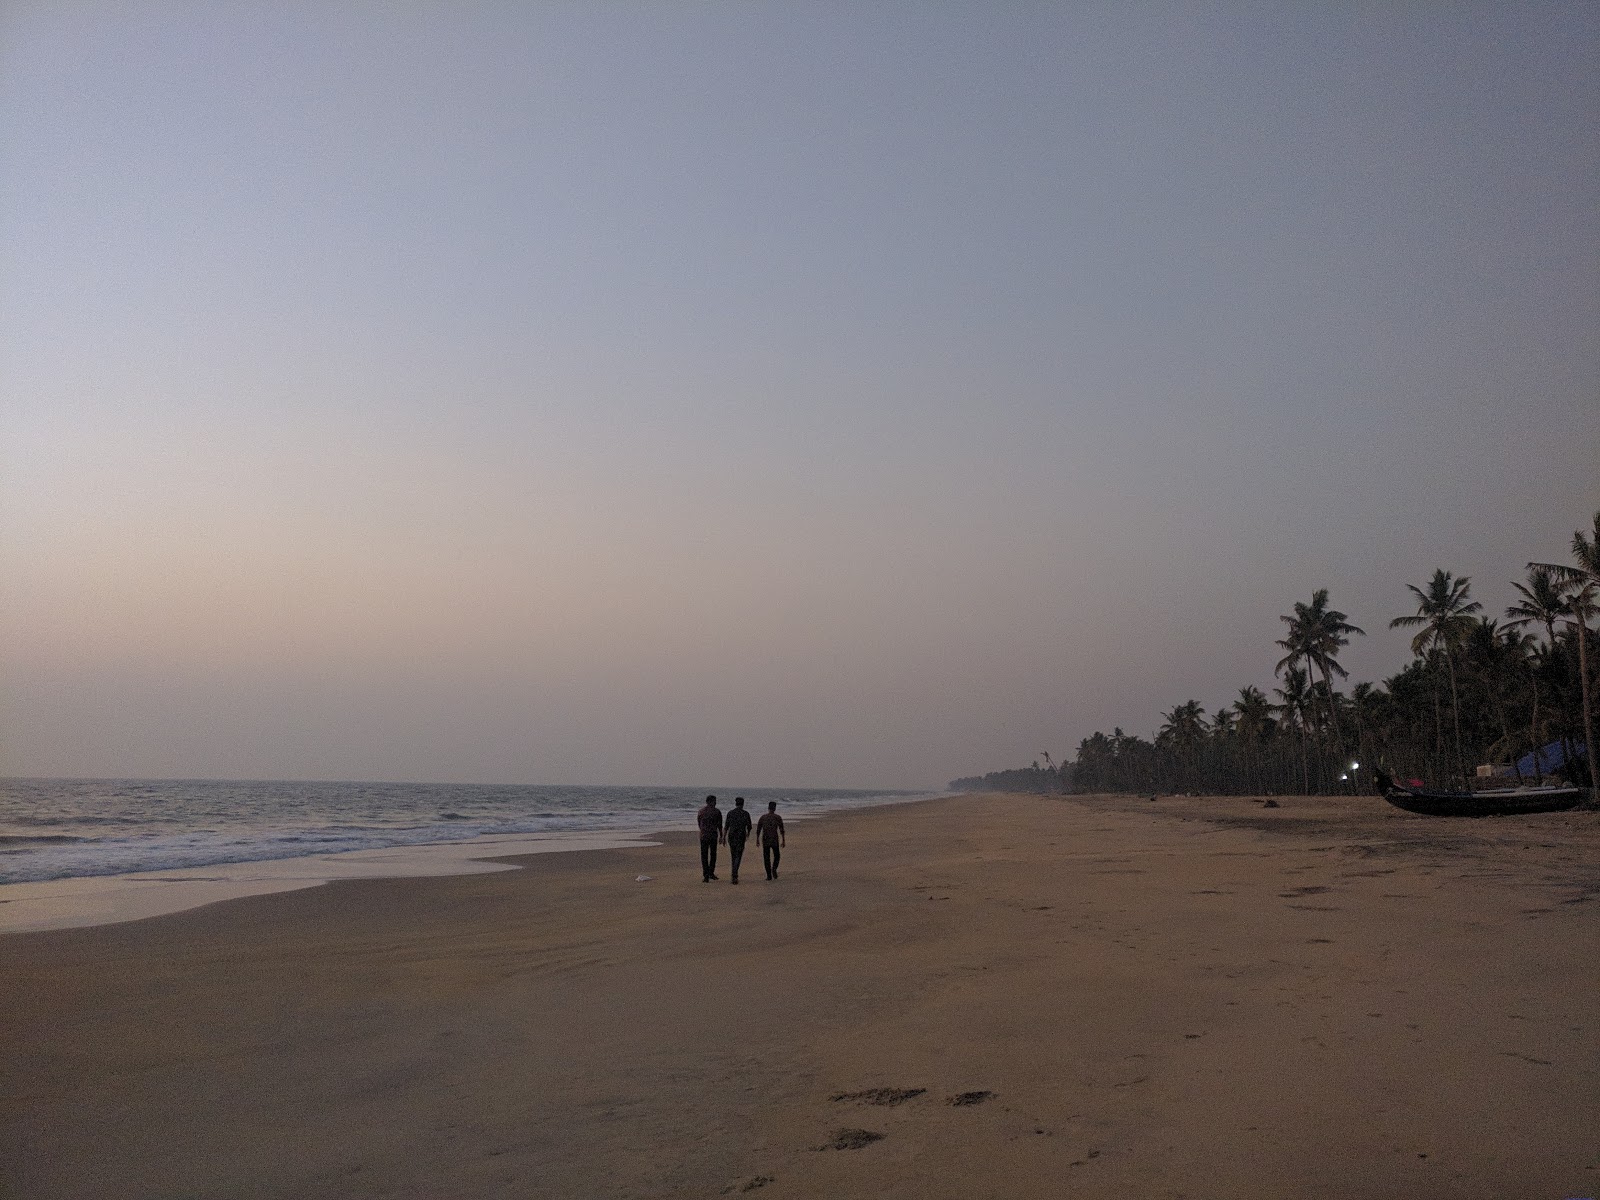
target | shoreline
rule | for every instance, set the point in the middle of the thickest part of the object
(84, 901)
(1190, 997)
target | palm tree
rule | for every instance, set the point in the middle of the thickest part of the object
(1542, 662)
(1316, 635)
(1184, 731)
(1185, 724)
(1254, 725)
(1541, 602)
(1519, 649)
(1493, 658)
(1294, 702)
(1445, 614)
(1583, 599)
(1368, 702)
(1255, 713)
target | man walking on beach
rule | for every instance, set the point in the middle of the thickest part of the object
(710, 818)
(770, 830)
(734, 832)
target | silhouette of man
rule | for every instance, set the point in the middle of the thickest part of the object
(710, 819)
(735, 830)
(770, 830)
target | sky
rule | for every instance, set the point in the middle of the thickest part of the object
(761, 394)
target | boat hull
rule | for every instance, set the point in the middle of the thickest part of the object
(1484, 804)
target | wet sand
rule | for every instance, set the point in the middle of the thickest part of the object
(969, 997)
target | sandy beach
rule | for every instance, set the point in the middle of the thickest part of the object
(981, 996)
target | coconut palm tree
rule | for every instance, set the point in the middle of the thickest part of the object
(1293, 704)
(1582, 584)
(1544, 665)
(1444, 612)
(1494, 658)
(1542, 602)
(1185, 724)
(1296, 658)
(1184, 731)
(1519, 649)
(1255, 714)
(1316, 635)
(1253, 725)
(1369, 704)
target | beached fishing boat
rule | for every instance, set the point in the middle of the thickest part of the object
(1499, 802)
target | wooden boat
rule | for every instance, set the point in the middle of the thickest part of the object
(1478, 804)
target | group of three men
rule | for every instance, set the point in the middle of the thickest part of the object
(733, 833)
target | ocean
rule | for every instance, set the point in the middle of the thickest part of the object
(53, 829)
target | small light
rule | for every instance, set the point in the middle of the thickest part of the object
(1355, 766)
(1344, 777)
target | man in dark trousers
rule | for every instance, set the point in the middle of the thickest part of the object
(770, 830)
(710, 818)
(734, 831)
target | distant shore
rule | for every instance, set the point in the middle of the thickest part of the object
(973, 996)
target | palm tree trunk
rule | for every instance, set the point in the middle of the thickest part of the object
(1505, 733)
(1438, 717)
(1497, 701)
(1566, 747)
(1583, 682)
(1538, 743)
(1333, 712)
(1455, 709)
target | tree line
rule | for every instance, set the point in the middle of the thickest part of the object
(1516, 689)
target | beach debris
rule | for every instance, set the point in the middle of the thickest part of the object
(643, 878)
(1271, 804)
(961, 1100)
(760, 1181)
(851, 1139)
(883, 1097)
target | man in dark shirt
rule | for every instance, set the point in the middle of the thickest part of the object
(710, 819)
(770, 830)
(734, 833)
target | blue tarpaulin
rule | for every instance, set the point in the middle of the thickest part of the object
(1551, 758)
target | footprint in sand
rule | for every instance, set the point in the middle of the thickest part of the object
(883, 1097)
(963, 1099)
(851, 1139)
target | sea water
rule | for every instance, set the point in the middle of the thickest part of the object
(58, 829)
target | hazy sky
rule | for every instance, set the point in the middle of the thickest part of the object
(761, 393)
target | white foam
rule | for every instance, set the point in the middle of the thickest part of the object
(110, 899)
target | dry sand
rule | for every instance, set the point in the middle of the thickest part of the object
(1187, 998)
